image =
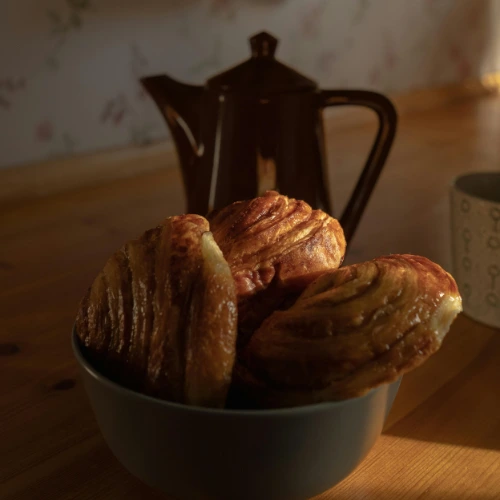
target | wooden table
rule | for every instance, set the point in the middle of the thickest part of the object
(442, 439)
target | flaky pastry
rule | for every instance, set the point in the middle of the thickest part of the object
(161, 317)
(351, 330)
(275, 247)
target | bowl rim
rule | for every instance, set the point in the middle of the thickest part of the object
(227, 412)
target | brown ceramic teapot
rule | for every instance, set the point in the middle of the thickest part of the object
(258, 126)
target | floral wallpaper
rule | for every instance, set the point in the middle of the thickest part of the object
(69, 69)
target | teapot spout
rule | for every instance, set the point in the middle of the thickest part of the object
(179, 104)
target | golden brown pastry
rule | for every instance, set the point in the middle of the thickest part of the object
(275, 247)
(161, 316)
(351, 330)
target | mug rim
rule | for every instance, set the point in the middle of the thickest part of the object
(226, 412)
(454, 183)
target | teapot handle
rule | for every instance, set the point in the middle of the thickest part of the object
(387, 117)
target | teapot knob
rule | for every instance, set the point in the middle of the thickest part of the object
(263, 45)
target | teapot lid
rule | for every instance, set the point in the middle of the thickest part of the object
(262, 73)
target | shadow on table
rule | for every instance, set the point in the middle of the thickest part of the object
(463, 412)
(487, 438)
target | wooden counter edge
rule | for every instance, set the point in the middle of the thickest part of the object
(24, 182)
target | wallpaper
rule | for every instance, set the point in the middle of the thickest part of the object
(69, 69)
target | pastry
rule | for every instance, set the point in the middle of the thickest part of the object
(161, 317)
(351, 330)
(167, 311)
(275, 246)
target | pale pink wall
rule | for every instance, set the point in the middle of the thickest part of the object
(69, 68)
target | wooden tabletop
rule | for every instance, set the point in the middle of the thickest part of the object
(442, 438)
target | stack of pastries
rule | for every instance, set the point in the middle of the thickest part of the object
(251, 308)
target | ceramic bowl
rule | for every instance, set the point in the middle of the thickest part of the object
(204, 454)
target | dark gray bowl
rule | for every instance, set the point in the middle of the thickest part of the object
(204, 454)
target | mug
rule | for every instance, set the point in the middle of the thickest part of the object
(475, 232)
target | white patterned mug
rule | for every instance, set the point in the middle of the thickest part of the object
(475, 233)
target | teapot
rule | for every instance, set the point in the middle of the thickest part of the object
(258, 126)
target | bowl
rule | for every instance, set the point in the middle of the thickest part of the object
(195, 453)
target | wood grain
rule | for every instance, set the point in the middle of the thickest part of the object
(58, 175)
(442, 438)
